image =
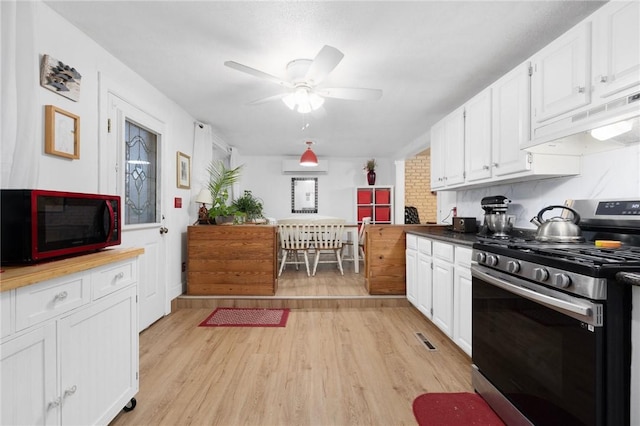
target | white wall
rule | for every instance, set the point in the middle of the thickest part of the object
(57, 37)
(263, 176)
(609, 174)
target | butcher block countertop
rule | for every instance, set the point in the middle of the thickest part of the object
(20, 276)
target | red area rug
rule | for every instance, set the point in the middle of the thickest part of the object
(454, 409)
(246, 317)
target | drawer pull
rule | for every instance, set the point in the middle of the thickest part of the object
(61, 296)
(120, 276)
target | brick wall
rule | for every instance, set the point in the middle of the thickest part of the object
(417, 186)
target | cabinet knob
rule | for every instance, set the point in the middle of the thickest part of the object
(485, 167)
(581, 89)
(120, 276)
(496, 165)
(60, 296)
(603, 78)
(70, 391)
(53, 404)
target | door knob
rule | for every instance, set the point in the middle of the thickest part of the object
(163, 230)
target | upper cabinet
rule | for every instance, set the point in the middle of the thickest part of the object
(477, 137)
(447, 148)
(616, 48)
(562, 75)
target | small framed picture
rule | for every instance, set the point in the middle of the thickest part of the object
(61, 133)
(183, 171)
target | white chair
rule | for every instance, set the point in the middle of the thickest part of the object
(328, 237)
(294, 237)
(365, 221)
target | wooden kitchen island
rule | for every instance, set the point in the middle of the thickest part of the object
(236, 260)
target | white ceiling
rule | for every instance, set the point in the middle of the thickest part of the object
(428, 57)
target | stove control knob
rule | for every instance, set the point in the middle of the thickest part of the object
(492, 260)
(513, 266)
(561, 280)
(481, 257)
(540, 274)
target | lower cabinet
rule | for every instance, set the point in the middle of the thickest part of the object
(439, 286)
(80, 364)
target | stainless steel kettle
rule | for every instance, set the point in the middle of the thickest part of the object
(558, 229)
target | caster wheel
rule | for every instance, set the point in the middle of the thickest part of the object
(130, 405)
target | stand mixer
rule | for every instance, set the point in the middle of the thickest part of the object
(496, 221)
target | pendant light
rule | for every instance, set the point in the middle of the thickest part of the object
(308, 158)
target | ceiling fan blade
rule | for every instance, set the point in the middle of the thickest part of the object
(324, 62)
(268, 99)
(355, 94)
(257, 73)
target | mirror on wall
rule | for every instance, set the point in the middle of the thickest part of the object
(304, 195)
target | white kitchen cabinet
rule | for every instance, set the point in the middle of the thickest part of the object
(477, 137)
(443, 287)
(411, 265)
(462, 323)
(616, 48)
(73, 356)
(424, 274)
(29, 384)
(561, 80)
(6, 313)
(447, 151)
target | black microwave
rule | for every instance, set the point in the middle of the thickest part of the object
(42, 225)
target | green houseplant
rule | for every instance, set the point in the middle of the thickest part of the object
(220, 180)
(249, 205)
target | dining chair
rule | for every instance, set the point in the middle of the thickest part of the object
(346, 244)
(327, 237)
(294, 237)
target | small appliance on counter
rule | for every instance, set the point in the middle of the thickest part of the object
(496, 223)
(464, 224)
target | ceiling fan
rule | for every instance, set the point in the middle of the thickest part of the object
(304, 76)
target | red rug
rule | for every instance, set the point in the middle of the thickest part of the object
(246, 317)
(454, 409)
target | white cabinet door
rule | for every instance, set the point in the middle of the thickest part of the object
(443, 295)
(454, 148)
(562, 74)
(412, 279)
(477, 135)
(28, 369)
(99, 359)
(437, 155)
(616, 55)
(425, 285)
(462, 308)
(511, 114)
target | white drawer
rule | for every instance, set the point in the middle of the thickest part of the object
(6, 313)
(113, 277)
(424, 246)
(443, 251)
(463, 256)
(412, 241)
(38, 302)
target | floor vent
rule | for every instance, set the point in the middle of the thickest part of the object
(421, 337)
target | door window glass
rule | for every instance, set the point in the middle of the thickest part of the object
(141, 175)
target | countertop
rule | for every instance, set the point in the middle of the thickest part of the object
(443, 233)
(20, 276)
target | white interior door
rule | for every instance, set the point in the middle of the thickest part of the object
(135, 156)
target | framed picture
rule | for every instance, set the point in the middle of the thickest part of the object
(61, 133)
(183, 170)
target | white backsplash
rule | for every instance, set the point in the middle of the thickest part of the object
(610, 174)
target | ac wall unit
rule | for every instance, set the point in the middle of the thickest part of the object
(292, 166)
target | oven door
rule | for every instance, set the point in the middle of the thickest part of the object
(540, 348)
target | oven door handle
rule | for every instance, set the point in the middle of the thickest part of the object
(582, 310)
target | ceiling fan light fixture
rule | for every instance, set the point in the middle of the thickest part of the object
(290, 101)
(308, 158)
(303, 101)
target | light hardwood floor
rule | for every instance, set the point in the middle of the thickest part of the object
(328, 366)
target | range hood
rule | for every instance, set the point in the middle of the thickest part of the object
(574, 135)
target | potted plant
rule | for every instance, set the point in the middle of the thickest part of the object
(250, 206)
(220, 179)
(370, 168)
